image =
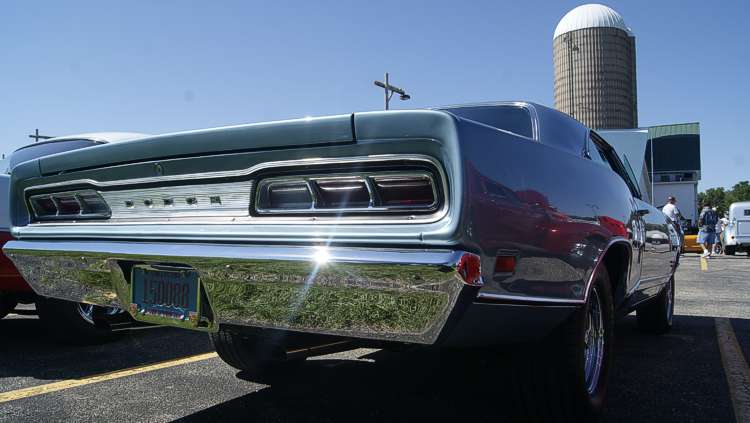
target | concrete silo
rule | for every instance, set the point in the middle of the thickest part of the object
(594, 57)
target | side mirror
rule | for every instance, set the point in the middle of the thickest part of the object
(642, 212)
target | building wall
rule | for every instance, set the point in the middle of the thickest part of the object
(602, 93)
(686, 194)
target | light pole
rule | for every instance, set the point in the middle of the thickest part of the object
(38, 137)
(390, 89)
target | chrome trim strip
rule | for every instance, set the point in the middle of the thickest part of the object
(234, 200)
(243, 172)
(527, 299)
(600, 259)
(389, 294)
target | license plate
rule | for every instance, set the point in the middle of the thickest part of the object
(165, 294)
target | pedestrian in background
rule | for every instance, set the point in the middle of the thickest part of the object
(707, 234)
(673, 213)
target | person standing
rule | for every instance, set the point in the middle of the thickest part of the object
(673, 213)
(707, 234)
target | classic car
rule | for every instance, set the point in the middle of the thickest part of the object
(70, 321)
(736, 236)
(462, 226)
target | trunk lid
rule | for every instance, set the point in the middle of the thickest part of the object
(308, 132)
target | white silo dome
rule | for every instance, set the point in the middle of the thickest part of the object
(590, 16)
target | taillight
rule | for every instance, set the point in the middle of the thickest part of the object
(286, 195)
(84, 204)
(469, 268)
(342, 193)
(405, 191)
(377, 192)
(67, 205)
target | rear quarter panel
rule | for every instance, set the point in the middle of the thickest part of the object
(555, 211)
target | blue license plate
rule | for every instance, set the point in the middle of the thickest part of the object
(164, 294)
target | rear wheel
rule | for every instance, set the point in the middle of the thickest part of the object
(75, 323)
(566, 379)
(656, 316)
(259, 358)
(729, 250)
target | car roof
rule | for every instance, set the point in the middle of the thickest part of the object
(97, 137)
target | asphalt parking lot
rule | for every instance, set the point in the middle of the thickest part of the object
(696, 373)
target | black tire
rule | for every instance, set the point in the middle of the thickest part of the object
(7, 304)
(259, 359)
(656, 315)
(65, 322)
(729, 250)
(554, 385)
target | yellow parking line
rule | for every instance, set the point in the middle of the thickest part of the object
(735, 369)
(72, 383)
(704, 264)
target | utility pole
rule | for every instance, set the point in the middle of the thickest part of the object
(389, 89)
(38, 137)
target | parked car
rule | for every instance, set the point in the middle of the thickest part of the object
(736, 236)
(690, 245)
(460, 226)
(72, 321)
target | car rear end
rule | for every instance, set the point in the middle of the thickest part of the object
(346, 225)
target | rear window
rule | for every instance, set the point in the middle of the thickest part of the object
(45, 149)
(508, 118)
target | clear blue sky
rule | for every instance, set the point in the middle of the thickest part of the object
(160, 66)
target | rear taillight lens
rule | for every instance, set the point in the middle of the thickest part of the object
(405, 191)
(375, 192)
(343, 193)
(67, 204)
(287, 195)
(92, 203)
(84, 204)
(43, 206)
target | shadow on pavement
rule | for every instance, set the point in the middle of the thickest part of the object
(672, 378)
(27, 350)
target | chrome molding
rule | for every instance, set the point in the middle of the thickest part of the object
(228, 199)
(527, 299)
(389, 294)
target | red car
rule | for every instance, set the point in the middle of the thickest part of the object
(70, 321)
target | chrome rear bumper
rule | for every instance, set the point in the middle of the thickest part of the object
(400, 295)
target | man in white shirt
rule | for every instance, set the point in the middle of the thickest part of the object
(671, 210)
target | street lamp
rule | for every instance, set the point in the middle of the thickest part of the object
(390, 90)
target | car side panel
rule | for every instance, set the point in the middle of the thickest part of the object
(556, 212)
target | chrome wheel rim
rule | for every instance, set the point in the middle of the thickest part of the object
(594, 342)
(86, 311)
(670, 300)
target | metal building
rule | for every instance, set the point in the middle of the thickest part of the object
(676, 167)
(594, 57)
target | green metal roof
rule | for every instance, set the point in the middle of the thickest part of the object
(659, 131)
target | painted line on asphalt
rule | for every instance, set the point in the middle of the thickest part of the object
(735, 368)
(72, 383)
(704, 264)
